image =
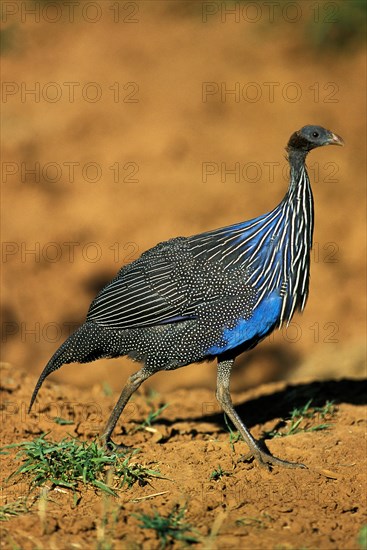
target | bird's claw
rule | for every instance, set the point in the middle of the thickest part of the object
(111, 446)
(266, 460)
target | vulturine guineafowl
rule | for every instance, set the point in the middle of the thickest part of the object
(208, 296)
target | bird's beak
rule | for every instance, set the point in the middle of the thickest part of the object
(335, 139)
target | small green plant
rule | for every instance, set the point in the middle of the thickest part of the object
(250, 522)
(12, 509)
(257, 522)
(150, 419)
(300, 420)
(219, 473)
(130, 473)
(233, 436)
(106, 388)
(62, 421)
(169, 528)
(70, 462)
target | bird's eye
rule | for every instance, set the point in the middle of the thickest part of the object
(315, 134)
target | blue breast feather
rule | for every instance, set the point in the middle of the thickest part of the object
(262, 321)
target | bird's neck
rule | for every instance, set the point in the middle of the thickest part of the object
(297, 163)
(297, 208)
(298, 200)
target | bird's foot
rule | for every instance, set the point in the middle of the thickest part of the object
(111, 446)
(267, 460)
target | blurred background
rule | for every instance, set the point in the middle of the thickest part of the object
(128, 123)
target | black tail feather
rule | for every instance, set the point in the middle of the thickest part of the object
(86, 344)
(56, 361)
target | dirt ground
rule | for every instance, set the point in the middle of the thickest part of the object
(323, 506)
(128, 123)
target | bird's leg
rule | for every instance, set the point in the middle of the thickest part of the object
(223, 395)
(130, 387)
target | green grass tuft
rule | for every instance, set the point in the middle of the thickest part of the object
(150, 419)
(63, 421)
(11, 509)
(233, 436)
(170, 528)
(219, 473)
(71, 462)
(302, 420)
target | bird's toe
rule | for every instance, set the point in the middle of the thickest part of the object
(111, 446)
(267, 460)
